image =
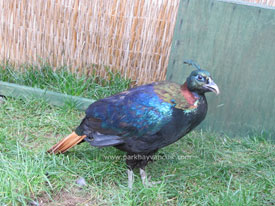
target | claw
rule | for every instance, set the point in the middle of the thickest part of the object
(146, 180)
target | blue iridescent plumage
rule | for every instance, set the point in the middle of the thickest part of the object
(136, 112)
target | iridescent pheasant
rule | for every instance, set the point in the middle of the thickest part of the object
(144, 119)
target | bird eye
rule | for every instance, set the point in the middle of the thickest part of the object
(200, 78)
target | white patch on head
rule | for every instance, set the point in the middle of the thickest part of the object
(210, 80)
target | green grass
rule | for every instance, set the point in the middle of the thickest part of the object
(62, 80)
(203, 168)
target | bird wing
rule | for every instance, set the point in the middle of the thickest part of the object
(136, 112)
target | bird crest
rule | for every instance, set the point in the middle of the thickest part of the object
(192, 63)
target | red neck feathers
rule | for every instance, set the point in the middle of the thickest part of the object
(189, 96)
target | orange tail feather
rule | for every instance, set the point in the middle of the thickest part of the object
(66, 143)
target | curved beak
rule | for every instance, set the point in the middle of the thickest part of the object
(211, 86)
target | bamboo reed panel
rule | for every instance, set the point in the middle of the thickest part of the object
(130, 36)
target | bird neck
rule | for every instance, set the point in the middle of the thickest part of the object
(191, 97)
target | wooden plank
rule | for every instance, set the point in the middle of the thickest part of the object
(58, 99)
(236, 43)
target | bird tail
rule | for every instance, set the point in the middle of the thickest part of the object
(66, 143)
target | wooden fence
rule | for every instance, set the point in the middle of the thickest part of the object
(131, 36)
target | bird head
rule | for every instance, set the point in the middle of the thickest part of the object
(200, 80)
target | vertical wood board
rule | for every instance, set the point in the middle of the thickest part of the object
(236, 43)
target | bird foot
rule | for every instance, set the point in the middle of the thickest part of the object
(146, 180)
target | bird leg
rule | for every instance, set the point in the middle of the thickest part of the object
(130, 178)
(143, 176)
